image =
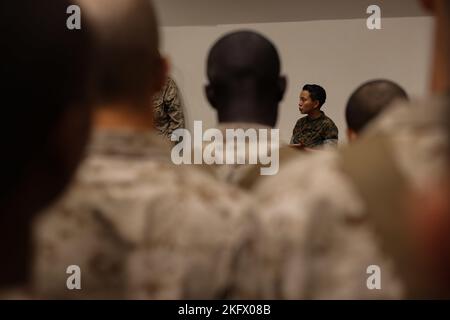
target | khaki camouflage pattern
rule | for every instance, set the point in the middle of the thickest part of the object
(314, 133)
(317, 233)
(139, 227)
(168, 105)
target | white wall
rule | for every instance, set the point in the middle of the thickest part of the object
(337, 54)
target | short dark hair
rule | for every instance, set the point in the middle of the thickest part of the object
(45, 69)
(316, 92)
(369, 100)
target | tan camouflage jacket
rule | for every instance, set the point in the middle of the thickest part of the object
(139, 227)
(315, 132)
(321, 224)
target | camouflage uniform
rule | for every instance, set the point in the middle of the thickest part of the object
(239, 174)
(318, 230)
(139, 227)
(315, 132)
(312, 241)
(168, 109)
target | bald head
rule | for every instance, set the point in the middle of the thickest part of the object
(243, 70)
(243, 54)
(369, 100)
(127, 61)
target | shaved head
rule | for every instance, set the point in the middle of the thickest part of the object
(243, 54)
(243, 68)
(127, 59)
(369, 100)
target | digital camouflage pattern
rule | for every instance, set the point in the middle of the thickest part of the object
(315, 132)
(169, 114)
(319, 230)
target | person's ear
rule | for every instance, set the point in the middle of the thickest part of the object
(351, 135)
(211, 95)
(281, 87)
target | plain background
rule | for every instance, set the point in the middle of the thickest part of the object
(338, 54)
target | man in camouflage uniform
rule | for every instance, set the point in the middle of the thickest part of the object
(368, 101)
(316, 129)
(136, 225)
(245, 88)
(168, 108)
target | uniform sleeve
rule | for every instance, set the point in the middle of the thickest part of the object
(330, 134)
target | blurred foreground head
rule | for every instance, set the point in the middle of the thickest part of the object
(45, 111)
(245, 85)
(441, 59)
(128, 68)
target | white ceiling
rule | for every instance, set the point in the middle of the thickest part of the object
(215, 12)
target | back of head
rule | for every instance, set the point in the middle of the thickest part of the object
(316, 92)
(245, 67)
(44, 76)
(369, 100)
(127, 59)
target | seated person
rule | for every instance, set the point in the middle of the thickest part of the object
(368, 101)
(316, 129)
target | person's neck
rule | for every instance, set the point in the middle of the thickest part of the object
(247, 111)
(314, 114)
(124, 116)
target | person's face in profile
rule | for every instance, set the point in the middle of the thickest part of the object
(306, 104)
